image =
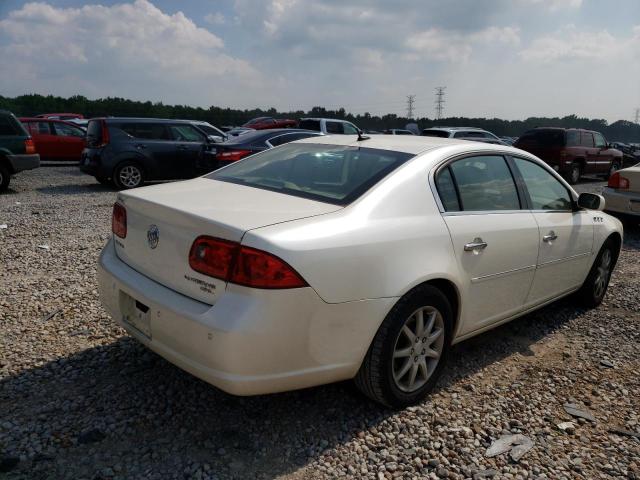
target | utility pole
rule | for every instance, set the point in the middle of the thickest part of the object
(638, 116)
(439, 101)
(410, 101)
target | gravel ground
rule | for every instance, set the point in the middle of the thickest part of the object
(80, 399)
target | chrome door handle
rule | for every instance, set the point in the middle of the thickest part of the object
(477, 244)
(550, 237)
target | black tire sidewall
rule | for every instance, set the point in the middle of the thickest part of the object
(5, 178)
(574, 168)
(429, 296)
(116, 175)
(588, 288)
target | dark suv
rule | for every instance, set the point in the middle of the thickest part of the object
(17, 150)
(129, 151)
(572, 151)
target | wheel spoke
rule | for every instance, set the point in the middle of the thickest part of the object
(431, 353)
(419, 323)
(423, 368)
(410, 335)
(434, 336)
(405, 352)
(432, 321)
(405, 368)
(412, 377)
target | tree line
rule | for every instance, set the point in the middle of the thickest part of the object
(33, 104)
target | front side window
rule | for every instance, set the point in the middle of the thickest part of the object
(328, 173)
(350, 129)
(485, 183)
(545, 191)
(600, 141)
(39, 128)
(185, 133)
(573, 138)
(335, 128)
(586, 139)
(65, 130)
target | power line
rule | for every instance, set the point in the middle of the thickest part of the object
(439, 101)
(410, 101)
(638, 116)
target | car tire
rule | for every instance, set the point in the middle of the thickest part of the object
(128, 175)
(399, 370)
(574, 173)
(595, 285)
(5, 178)
(103, 181)
(615, 166)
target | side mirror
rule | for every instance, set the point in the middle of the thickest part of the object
(591, 201)
(215, 139)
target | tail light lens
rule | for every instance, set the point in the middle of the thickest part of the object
(119, 220)
(232, 155)
(619, 182)
(29, 146)
(232, 262)
(104, 132)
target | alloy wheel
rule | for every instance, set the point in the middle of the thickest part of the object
(418, 349)
(602, 274)
(130, 176)
(575, 174)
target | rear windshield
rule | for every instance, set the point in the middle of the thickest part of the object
(328, 173)
(435, 133)
(543, 138)
(10, 126)
(94, 132)
(310, 125)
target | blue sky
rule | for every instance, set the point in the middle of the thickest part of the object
(500, 58)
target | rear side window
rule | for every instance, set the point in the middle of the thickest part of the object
(310, 125)
(447, 191)
(435, 133)
(148, 131)
(573, 138)
(586, 139)
(543, 138)
(39, 128)
(484, 183)
(94, 132)
(329, 173)
(335, 128)
(7, 126)
(545, 191)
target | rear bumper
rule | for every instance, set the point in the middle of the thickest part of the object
(251, 341)
(20, 163)
(616, 201)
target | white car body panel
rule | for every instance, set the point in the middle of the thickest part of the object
(358, 260)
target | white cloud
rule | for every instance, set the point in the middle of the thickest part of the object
(130, 49)
(215, 18)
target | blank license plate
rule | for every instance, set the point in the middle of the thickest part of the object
(136, 314)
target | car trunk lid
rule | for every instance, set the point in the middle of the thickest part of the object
(164, 220)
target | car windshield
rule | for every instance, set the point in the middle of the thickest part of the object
(328, 173)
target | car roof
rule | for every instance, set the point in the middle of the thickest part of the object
(413, 144)
(325, 118)
(456, 128)
(145, 120)
(44, 119)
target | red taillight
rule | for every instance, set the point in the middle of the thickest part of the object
(618, 181)
(232, 262)
(255, 268)
(232, 155)
(29, 146)
(119, 220)
(104, 133)
(213, 257)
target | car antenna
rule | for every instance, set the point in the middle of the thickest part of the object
(362, 137)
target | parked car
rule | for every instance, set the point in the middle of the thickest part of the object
(630, 154)
(509, 140)
(129, 151)
(572, 151)
(237, 131)
(61, 116)
(622, 194)
(398, 131)
(17, 150)
(56, 139)
(221, 154)
(321, 260)
(263, 123)
(464, 133)
(214, 134)
(328, 126)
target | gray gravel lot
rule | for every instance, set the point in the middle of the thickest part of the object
(80, 399)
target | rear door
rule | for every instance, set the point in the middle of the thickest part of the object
(494, 239)
(590, 152)
(565, 238)
(44, 139)
(152, 141)
(603, 153)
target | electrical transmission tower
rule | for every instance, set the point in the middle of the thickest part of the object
(439, 101)
(410, 101)
(638, 116)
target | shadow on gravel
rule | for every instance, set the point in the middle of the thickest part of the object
(121, 406)
(75, 189)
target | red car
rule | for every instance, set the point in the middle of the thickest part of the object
(60, 116)
(56, 139)
(264, 123)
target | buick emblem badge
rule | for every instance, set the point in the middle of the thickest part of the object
(153, 236)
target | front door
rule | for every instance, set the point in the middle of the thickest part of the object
(71, 140)
(189, 145)
(494, 239)
(565, 235)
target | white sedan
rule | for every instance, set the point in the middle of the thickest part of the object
(341, 257)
